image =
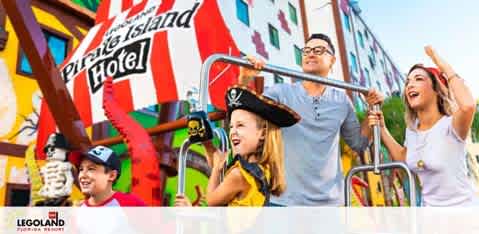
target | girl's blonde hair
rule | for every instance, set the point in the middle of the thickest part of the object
(272, 155)
(445, 104)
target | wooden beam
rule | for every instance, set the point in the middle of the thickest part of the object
(169, 112)
(304, 19)
(48, 76)
(12, 149)
(19, 150)
(342, 45)
(162, 128)
(168, 167)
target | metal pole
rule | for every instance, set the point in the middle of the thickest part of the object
(412, 185)
(221, 134)
(183, 155)
(377, 143)
(205, 73)
(385, 166)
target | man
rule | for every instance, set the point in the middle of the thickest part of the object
(313, 168)
(99, 169)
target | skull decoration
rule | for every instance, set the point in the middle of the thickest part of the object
(195, 128)
(234, 97)
(56, 173)
(56, 147)
(199, 128)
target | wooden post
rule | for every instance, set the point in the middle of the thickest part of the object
(167, 159)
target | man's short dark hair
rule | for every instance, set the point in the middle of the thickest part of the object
(323, 37)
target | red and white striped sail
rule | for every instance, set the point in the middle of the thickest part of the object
(154, 51)
(111, 8)
(177, 37)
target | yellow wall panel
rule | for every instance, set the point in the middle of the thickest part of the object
(52, 21)
(24, 86)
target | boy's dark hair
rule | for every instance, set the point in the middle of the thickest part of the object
(323, 37)
(107, 169)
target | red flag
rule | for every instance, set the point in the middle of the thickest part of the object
(46, 126)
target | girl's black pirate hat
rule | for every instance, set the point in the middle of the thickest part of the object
(240, 97)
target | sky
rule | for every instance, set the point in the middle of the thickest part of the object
(405, 27)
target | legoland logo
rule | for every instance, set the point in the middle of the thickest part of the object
(50, 224)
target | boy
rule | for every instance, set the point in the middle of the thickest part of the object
(99, 169)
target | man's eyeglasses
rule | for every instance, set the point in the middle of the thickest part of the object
(318, 50)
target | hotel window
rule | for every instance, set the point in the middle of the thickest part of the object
(298, 55)
(292, 13)
(273, 36)
(373, 54)
(372, 62)
(366, 34)
(368, 77)
(242, 11)
(346, 21)
(278, 79)
(372, 58)
(361, 39)
(58, 46)
(380, 87)
(354, 64)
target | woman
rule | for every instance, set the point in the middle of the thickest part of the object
(437, 127)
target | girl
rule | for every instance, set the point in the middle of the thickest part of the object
(257, 169)
(435, 146)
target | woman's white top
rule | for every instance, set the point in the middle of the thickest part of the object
(443, 175)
